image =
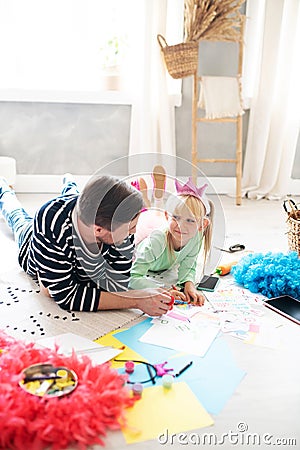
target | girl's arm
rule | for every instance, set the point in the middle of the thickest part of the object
(187, 271)
(188, 260)
(138, 281)
(147, 258)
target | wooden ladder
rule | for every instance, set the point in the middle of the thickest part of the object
(238, 120)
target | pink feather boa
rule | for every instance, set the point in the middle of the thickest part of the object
(80, 418)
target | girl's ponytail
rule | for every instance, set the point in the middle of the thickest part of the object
(208, 231)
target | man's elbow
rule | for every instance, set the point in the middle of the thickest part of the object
(43, 290)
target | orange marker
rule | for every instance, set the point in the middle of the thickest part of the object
(224, 269)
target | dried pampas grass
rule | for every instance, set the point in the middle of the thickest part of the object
(213, 19)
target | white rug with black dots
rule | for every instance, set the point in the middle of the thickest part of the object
(26, 314)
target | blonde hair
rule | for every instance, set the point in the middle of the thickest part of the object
(197, 209)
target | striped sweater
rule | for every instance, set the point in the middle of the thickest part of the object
(54, 253)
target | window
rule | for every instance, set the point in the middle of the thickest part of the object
(55, 48)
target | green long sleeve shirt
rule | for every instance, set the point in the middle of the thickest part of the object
(152, 254)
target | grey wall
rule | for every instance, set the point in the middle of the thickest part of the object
(53, 138)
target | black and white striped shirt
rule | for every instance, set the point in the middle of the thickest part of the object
(54, 253)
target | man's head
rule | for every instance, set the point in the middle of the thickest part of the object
(111, 205)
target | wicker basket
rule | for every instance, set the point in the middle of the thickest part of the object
(293, 222)
(181, 60)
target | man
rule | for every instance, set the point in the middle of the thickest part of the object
(79, 247)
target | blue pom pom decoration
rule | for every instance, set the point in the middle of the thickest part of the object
(271, 274)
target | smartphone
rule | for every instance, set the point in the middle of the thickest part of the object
(286, 306)
(208, 283)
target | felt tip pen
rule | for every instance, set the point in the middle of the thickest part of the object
(180, 302)
(184, 369)
(41, 378)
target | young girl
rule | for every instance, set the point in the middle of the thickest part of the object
(189, 217)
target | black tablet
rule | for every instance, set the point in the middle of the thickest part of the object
(286, 306)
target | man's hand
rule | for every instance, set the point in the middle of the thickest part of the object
(154, 302)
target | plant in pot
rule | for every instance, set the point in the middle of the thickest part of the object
(112, 54)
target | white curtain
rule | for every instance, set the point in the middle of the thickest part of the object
(153, 117)
(272, 55)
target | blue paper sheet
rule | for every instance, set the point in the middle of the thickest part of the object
(213, 378)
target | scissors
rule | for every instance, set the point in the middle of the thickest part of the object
(233, 248)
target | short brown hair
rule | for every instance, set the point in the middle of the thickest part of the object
(108, 202)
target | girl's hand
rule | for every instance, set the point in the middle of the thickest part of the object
(177, 294)
(193, 295)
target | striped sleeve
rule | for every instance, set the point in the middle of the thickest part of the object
(56, 273)
(51, 247)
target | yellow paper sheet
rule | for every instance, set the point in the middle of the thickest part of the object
(159, 409)
(128, 354)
